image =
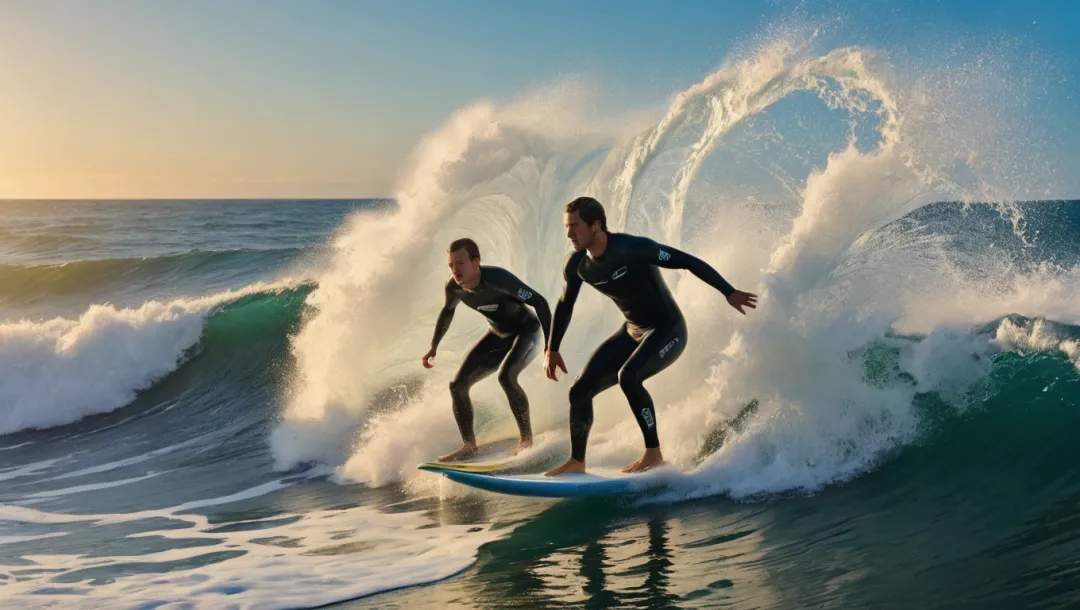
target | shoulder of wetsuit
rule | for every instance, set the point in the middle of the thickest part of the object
(452, 293)
(632, 246)
(497, 276)
(573, 259)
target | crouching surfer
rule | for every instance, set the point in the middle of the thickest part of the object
(625, 268)
(511, 343)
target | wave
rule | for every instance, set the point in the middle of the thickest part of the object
(22, 285)
(788, 169)
(61, 370)
(950, 383)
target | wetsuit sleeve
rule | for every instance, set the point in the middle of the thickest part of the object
(510, 284)
(667, 257)
(447, 314)
(565, 307)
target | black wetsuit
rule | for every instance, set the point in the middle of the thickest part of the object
(511, 341)
(653, 336)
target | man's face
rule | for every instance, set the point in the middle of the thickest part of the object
(581, 235)
(466, 271)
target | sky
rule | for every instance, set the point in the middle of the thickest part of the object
(315, 98)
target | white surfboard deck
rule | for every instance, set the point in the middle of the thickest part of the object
(599, 483)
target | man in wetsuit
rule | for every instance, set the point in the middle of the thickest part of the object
(509, 345)
(624, 268)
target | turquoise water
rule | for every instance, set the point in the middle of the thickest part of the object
(210, 404)
(975, 511)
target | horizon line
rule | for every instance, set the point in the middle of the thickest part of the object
(394, 199)
(30, 199)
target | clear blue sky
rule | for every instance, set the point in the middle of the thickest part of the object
(202, 98)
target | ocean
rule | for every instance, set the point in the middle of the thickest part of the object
(218, 404)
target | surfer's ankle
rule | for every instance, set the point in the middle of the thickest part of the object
(652, 458)
(571, 465)
(525, 443)
(467, 450)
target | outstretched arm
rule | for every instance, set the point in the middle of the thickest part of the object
(442, 324)
(671, 258)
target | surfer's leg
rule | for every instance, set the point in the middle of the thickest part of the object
(482, 360)
(657, 351)
(522, 352)
(600, 373)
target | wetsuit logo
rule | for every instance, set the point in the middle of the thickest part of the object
(667, 348)
(524, 295)
(621, 271)
(488, 307)
(646, 414)
(664, 256)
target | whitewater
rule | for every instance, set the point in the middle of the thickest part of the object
(501, 174)
(235, 420)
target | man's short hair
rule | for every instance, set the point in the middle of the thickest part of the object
(589, 210)
(466, 244)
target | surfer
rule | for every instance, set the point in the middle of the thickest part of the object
(624, 268)
(509, 345)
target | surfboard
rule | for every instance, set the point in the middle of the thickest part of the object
(494, 457)
(477, 467)
(561, 486)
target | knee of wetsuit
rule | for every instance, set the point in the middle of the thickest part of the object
(581, 392)
(458, 386)
(506, 378)
(628, 380)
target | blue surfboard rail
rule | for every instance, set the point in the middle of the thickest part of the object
(562, 486)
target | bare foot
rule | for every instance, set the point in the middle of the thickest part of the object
(651, 459)
(466, 451)
(522, 446)
(571, 465)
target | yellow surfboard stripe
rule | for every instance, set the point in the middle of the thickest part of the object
(475, 468)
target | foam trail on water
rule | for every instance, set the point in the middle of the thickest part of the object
(126, 461)
(67, 491)
(290, 561)
(26, 470)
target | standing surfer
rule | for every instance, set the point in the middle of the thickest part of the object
(624, 268)
(509, 345)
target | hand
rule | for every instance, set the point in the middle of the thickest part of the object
(552, 361)
(740, 299)
(427, 357)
